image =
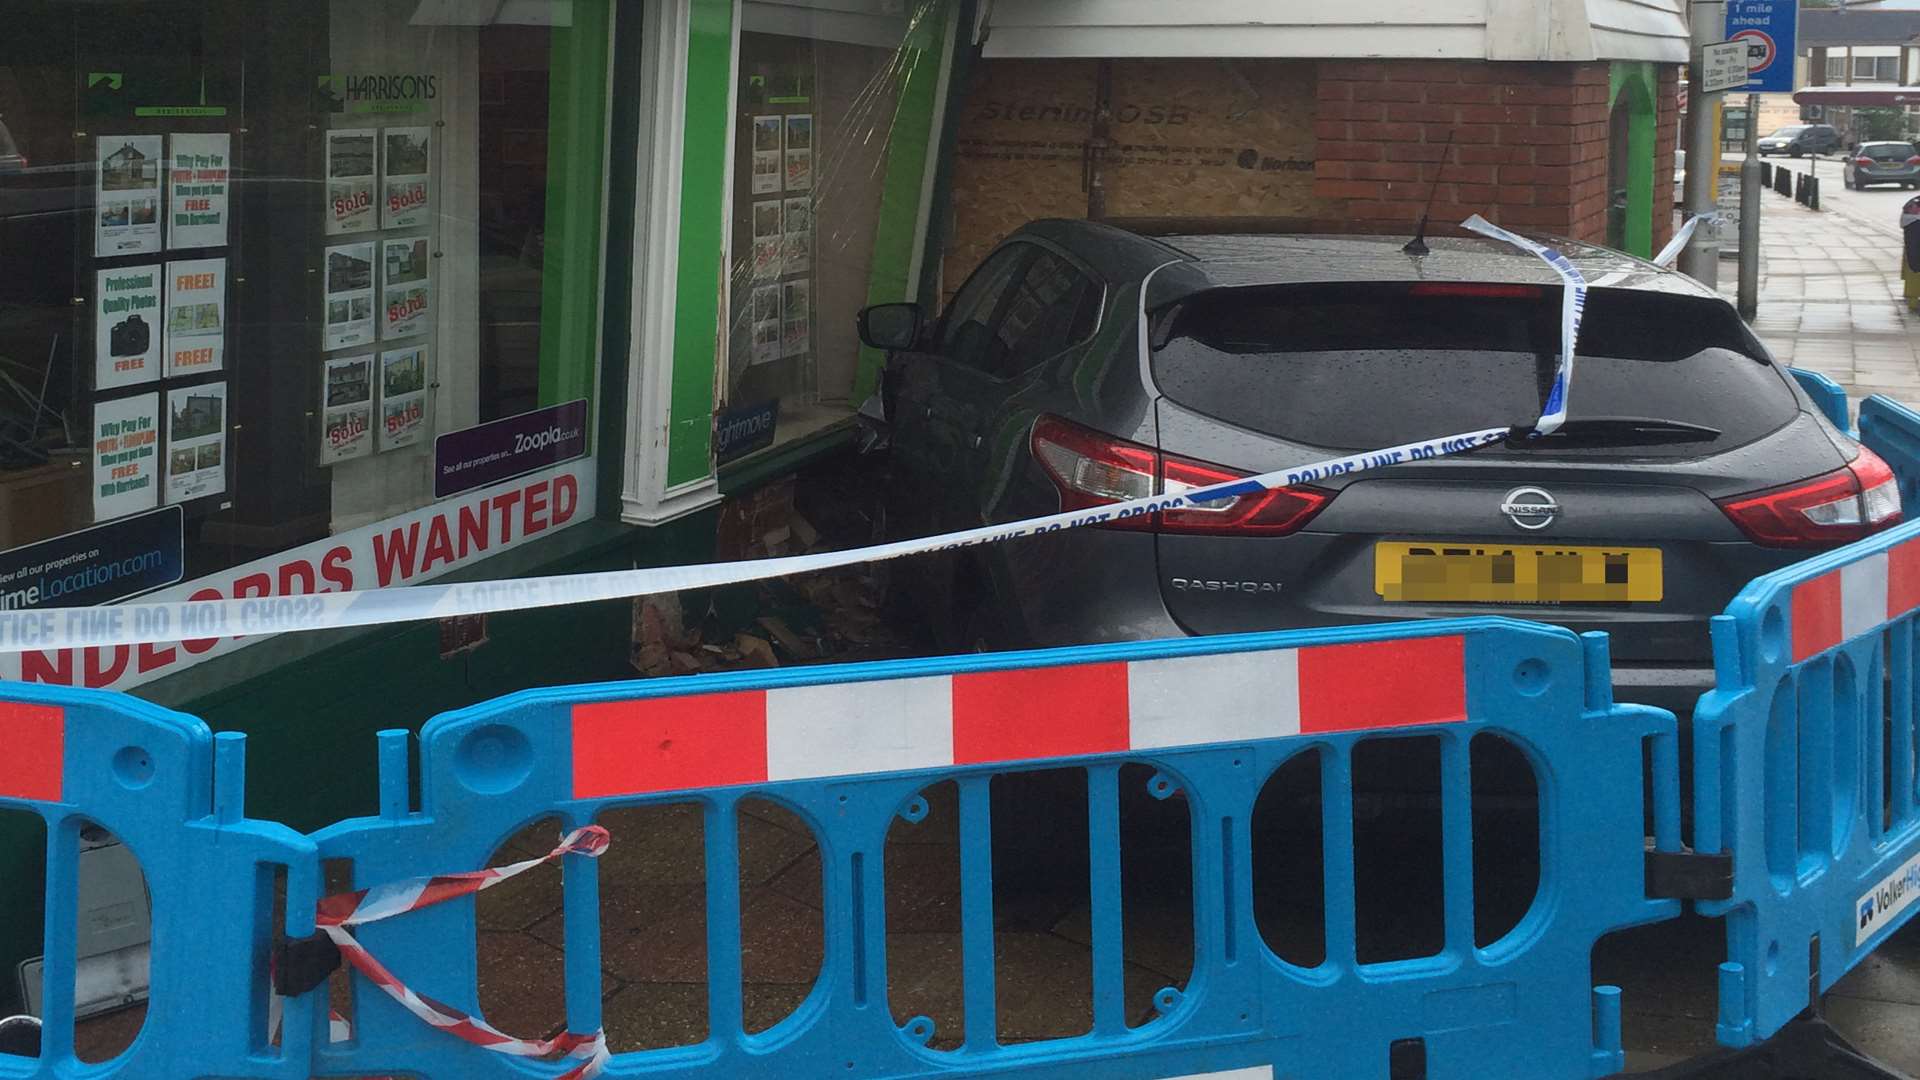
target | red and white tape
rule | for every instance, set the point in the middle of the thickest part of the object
(338, 914)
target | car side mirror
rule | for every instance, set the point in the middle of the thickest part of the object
(894, 327)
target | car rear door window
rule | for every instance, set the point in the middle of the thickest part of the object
(1365, 366)
(1054, 307)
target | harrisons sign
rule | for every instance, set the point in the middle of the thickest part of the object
(399, 551)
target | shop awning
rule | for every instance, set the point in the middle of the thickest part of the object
(1857, 95)
(1562, 30)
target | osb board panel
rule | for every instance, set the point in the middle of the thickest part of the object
(1190, 138)
(1213, 138)
(1019, 154)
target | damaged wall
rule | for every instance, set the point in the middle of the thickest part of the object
(1297, 144)
(1188, 138)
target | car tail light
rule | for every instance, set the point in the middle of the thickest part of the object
(1093, 469)
(1914, 160)
(1845, 504)
(1863, 162)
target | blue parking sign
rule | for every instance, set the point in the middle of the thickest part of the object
(1768, 28)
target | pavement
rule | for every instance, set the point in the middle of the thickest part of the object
(1830, 292)
(1829, 300)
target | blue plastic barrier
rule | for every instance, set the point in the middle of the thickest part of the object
(1892, 430)
(848, 749)
(1805, 773)
(1827, 396)
(172, 792)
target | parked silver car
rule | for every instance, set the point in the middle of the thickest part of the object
(1884, 163)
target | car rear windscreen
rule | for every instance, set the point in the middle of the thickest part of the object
(1887, 151)
(1363, 366)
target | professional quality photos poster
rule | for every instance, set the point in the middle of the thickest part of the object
(198, 171)
(126, 195)
(127, 325)
(196, 316)
(196, 441)
(350, 165)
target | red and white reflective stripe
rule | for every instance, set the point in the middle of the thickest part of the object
(841, 729)
(35, 738)
(1843, 604)
(344, 910)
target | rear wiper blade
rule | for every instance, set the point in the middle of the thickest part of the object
(1613, 431)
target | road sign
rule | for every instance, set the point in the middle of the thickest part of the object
(1767, 28)
(1723, 66)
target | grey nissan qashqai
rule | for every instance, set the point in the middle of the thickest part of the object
(1083, 363)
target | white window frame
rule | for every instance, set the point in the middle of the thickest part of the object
(645, 496)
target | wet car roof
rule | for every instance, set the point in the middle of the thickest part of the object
(1227, 260)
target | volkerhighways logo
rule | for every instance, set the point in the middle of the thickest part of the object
(1895, 893)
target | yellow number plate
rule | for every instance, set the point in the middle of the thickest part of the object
(1494, 573)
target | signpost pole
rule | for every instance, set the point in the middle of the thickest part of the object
(1749, 297)
(1701, 259)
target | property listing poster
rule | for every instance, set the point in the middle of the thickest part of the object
(766, 240)
(126, 195)
(766, 155)
(800, 152)
(797, 249)
(403, 397)
(350, 206)
(196, 316)
(197, 200)
(348, 319)
(126, 451)
(406, 196)
(766, 323)
(406, 296)
(196, 441)
(346, 417)
(126, 325)
(796, 317)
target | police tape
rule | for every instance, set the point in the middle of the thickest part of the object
(108, 626)
(1680, 238)
(1573, 308)
(192, 621)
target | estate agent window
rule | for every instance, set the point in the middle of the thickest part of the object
(824, 122)
(257, 258)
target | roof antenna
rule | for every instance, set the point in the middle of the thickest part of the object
(1418, 245)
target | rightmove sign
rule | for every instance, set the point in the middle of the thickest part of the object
(1768, 28)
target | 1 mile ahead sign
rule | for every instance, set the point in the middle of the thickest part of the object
(1767, 28)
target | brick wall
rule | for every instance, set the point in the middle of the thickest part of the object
(1529, 143)
(1665, 140)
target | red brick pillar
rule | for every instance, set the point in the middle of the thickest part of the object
(1529, 143)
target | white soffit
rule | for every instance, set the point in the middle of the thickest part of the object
(1311, 29)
